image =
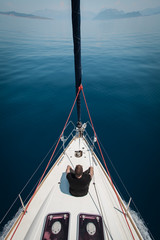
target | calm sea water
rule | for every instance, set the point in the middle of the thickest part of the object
(121, 79)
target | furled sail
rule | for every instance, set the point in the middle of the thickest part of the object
(76, 21)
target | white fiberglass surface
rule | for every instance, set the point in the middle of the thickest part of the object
(53, 197)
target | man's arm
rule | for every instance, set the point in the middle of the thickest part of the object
(91, 172)
(68, 169)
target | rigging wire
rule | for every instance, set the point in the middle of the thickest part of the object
(51, 159)
(106, 165)
(106, 153)
(79, 89)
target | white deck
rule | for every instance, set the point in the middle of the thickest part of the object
(53, 197)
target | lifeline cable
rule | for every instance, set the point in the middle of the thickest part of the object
(26, 184)
(136, 208)
(26, 199)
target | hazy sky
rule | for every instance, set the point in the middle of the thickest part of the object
(88, 5)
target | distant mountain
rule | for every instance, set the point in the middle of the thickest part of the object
(63, 15)
(116, 14)
(103, 15)
(150, 11)
(56, 15)
(24, 15)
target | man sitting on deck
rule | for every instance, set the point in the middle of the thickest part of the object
(78, 180)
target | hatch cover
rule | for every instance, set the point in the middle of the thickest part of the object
(56, 226)
(90, 227)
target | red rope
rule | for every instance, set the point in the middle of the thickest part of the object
(80, 88)
(106, 164)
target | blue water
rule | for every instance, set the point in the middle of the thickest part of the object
(121, 79)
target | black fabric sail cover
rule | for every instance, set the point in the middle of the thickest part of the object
(76, 21)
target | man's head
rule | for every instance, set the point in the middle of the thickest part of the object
(78, 171)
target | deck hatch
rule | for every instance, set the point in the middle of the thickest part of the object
(56, 226)
(90, 227)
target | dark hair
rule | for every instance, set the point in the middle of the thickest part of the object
(78, 170)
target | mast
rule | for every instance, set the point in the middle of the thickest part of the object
(76, 21)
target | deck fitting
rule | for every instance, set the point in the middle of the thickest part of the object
(78, 154)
